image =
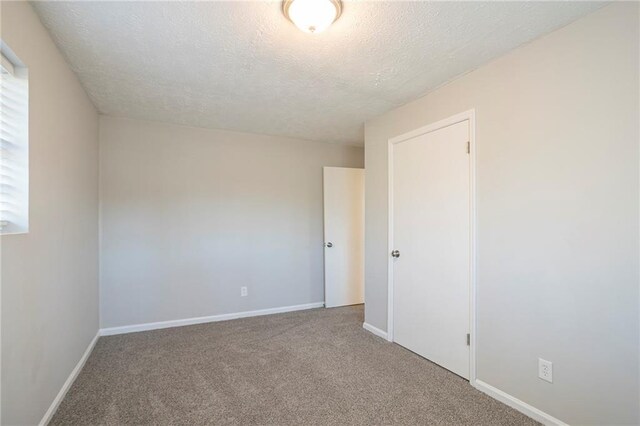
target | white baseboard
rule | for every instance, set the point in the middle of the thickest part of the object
(67, 384)
(517, 404)
(200, 320)
(374, 330)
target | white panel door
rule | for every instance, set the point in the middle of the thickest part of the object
(343, 236)
(431, 231)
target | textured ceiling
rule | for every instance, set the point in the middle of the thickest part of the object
(243, 66)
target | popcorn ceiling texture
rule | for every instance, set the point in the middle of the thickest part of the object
(243, 66)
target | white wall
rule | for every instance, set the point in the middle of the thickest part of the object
(50, 275)
(190, 215)
(557, 199)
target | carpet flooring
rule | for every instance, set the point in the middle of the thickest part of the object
(315, 367)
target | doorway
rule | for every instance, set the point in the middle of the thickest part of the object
(343, 236)
(431, 238)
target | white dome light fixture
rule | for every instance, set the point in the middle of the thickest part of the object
(312, 16)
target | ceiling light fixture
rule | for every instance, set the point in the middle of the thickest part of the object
(312, 16)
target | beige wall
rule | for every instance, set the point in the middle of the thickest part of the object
(557, 214)
(50, 275)
(190, 215)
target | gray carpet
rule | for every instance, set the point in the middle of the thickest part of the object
(309, 367)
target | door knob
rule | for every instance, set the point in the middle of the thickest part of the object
(329, 244)
(395, 253)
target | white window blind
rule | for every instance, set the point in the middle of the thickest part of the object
(14, 148)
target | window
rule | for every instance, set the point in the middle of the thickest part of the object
(14, 148)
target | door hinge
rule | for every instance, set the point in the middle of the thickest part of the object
(469, 147)
(468, 339)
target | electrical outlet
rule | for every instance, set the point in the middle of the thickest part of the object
(243, 291)
(545, 370)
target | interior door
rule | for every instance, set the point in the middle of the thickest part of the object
(431, 233)
(343, 236)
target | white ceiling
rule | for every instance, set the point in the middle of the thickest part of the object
(243, 66)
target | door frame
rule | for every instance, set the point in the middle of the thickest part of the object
(458, 118)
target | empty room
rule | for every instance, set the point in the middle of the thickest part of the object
(319, 212)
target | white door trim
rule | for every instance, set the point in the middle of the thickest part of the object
(470, 116)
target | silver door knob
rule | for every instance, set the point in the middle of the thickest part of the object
(329, 244)
(395, 253)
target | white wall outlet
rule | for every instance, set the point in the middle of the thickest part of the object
(243, 291)
(545, 370)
